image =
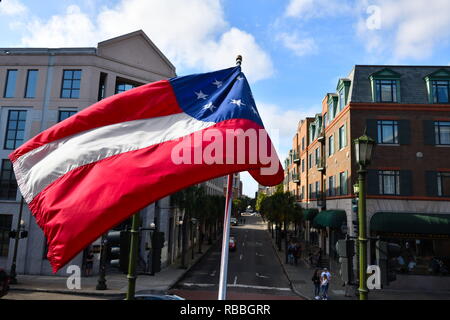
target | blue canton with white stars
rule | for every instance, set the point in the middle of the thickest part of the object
(216, 96)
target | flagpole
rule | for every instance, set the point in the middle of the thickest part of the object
(225, 241)
(226, 230)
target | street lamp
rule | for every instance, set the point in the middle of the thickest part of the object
(364, 146)
(17, 235)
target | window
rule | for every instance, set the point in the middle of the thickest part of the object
(440, 91)
(5, 228)
(8, 184)
(303, 143)
(310, 191)
(303, 165)
(102, 86)
(342, 137)
(386, 90)
(443, 179)
(71, 84)
(317, 155)
(325, 119)
(341, 99)
(331, 186)
(30, 88)
(331, 145)
(331, 111)
(15, 129)
(302, 196)
(442, 132)
(343, 183)
(10, 84)
(123, 85)
(389, 182)
(64, 114)
(310, 161)
(387, 132)
(317, 193)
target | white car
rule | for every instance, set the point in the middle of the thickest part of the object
(233, 221)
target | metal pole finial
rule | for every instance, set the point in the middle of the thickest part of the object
(238, 60)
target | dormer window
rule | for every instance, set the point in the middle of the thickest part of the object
(386, 90)
(438, 84)
(385, 86)
(440, 91)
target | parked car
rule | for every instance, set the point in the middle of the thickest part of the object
(4, 283)
(232, 244)
(233, 221)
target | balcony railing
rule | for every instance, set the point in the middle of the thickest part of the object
(296, 157)
(296, 178)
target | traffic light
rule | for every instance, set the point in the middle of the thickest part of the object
(355, 211)
(157, 245)
(386, 255)
(346, 250)
(118, 248)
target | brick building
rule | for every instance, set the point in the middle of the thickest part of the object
(406, 109)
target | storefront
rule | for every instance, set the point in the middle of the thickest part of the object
(330, 223)
(424, 238)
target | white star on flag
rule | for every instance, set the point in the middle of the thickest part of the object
(209, 105)
(254, 110)
(217, 83)
(237, 102)
(201, 95)
(240, 78)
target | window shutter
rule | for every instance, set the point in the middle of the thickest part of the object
(372, 130)
(406, 183)
(373, 186)
(428, 132)
(404, 132)
(431, 183)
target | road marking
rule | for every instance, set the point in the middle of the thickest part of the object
(261, 276)
(203, 285)
(257, 287)
(243, 244)
(213, 273)
(259, 255)
(240, 257)
(235, 280)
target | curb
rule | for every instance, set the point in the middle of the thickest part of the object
(104, 293)
(285, 271)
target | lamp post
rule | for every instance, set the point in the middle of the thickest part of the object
(363, 151)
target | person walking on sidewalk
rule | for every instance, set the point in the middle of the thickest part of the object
(316, 281)
(325, 282)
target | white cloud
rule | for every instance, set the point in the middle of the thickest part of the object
(12, 8)
(192, 34)
(409, 28)
(299, 46)
(315, 8)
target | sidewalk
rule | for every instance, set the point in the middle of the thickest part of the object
(117, 283)
(406, 287)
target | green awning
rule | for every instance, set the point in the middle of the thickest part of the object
(309, 214)
(412, 223)
(330, 218)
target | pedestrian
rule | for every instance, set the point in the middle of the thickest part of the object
(325, 282)
(324, 287)
(89, 263)
(290, 253)
(296, 252)
(316, 281)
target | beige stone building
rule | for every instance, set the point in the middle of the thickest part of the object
(42, 86)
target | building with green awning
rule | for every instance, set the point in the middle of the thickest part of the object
(411, 224)
(333, 219)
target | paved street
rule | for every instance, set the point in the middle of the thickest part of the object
(26, 295)
(254, 271)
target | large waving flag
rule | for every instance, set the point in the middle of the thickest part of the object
(95, 169)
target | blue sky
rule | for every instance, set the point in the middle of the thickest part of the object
(294, 50)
